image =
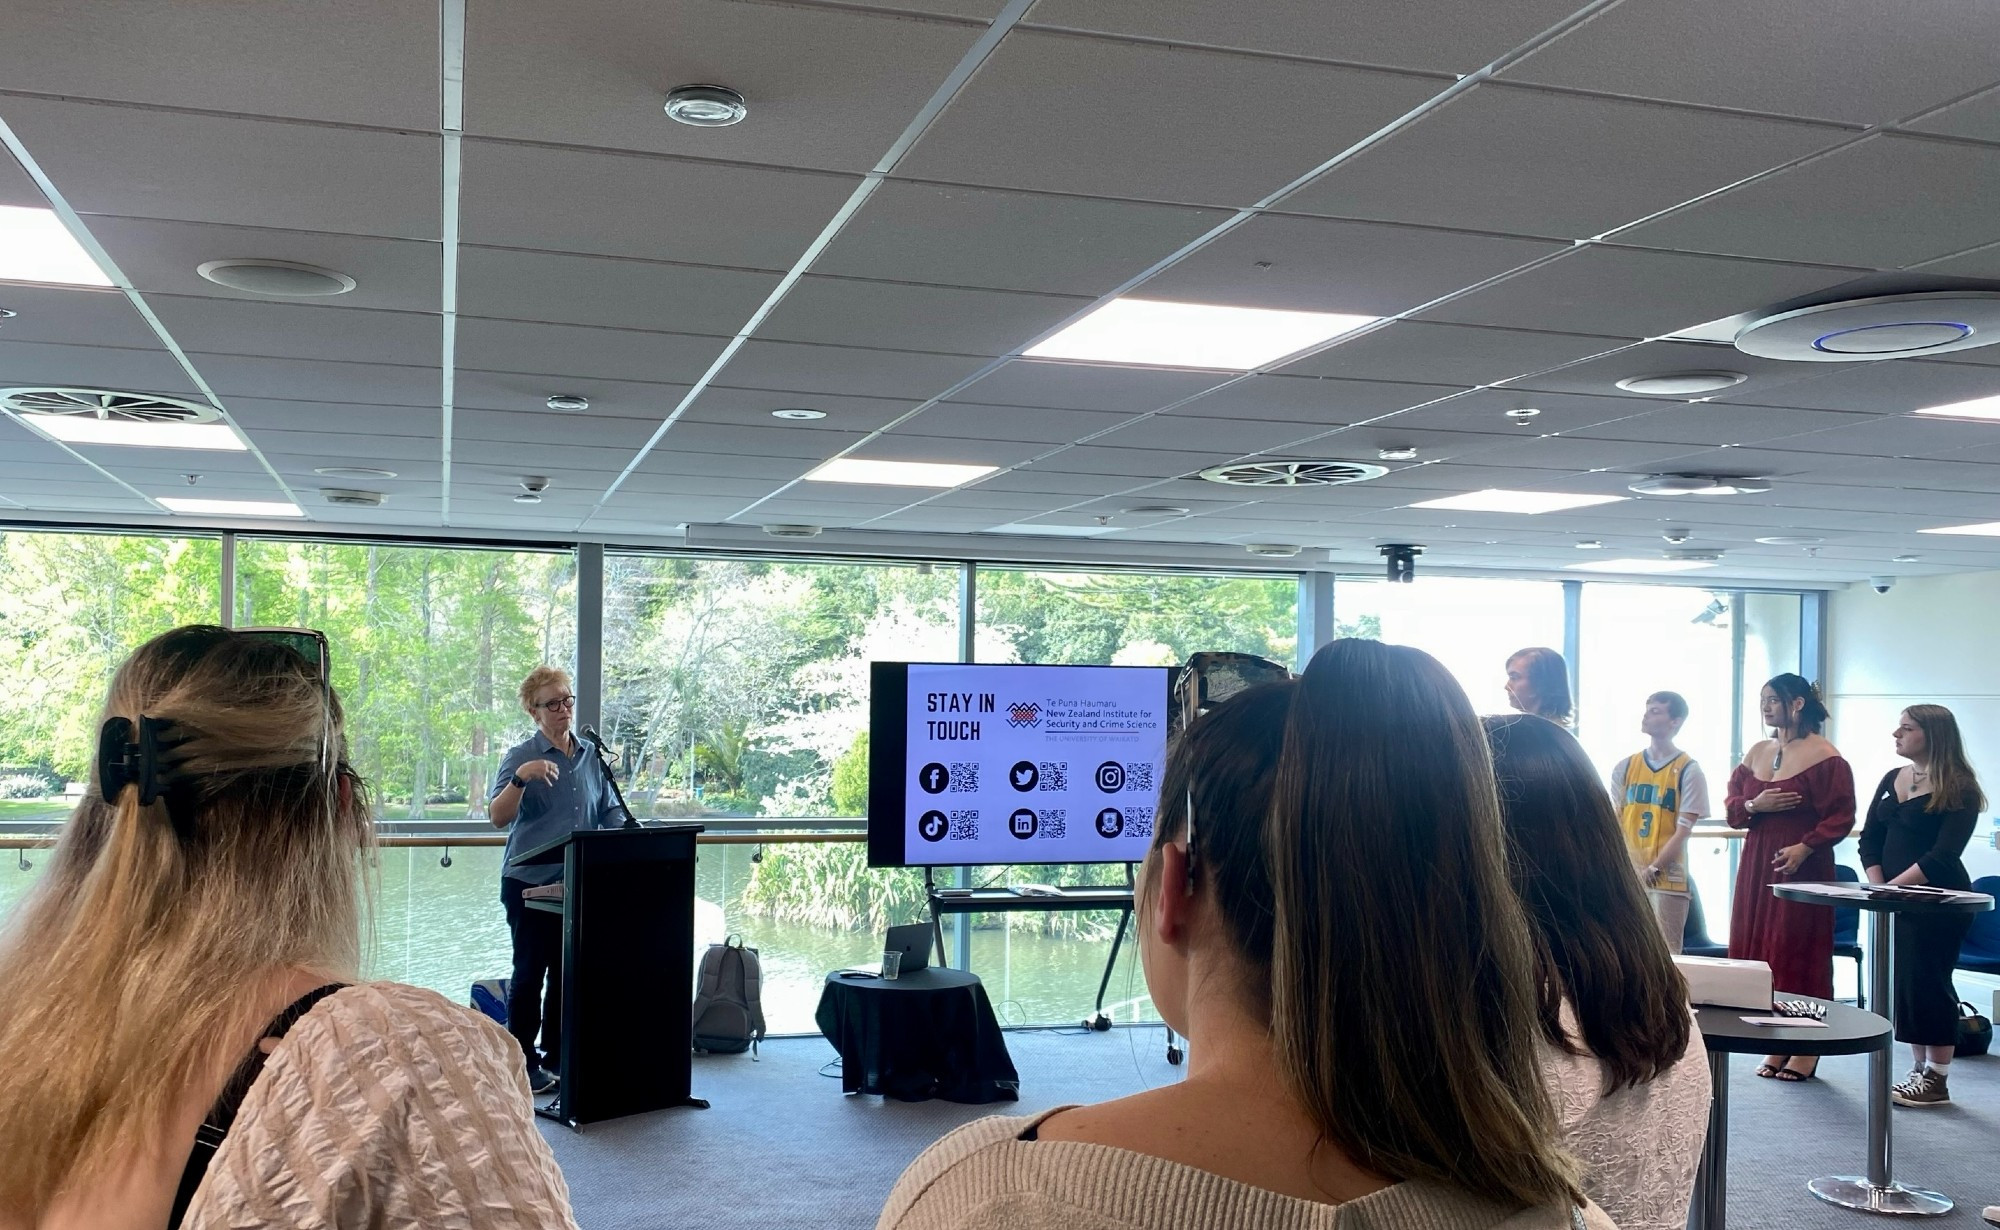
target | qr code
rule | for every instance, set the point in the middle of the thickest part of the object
(964, 824)
(964, 778)
(1054, 775)
(1055, 823)
(1139, 820)
(1138, 776)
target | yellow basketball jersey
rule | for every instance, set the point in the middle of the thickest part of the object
(1649, 813)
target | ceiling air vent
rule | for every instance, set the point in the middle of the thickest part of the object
(107, 404)
(351, 497)
(1293, 473)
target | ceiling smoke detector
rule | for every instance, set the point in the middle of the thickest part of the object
(1293, 473)
(278, 279)
(109, 405)
(1880, 327)
(706, 106)
(568, 403)
(1681, 384)
(1401, 452)
(352, 498)
(792, 531)
(1272, 550)
(1700, 484)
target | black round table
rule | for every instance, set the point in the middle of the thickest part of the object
(928, 1034)
(1878, 1191)
(1724, 1032)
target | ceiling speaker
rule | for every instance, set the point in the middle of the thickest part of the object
(1884, 327)
(280, 279)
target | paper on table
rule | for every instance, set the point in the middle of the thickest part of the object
(1785, 1022)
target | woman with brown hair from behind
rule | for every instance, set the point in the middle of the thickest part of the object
(1334, 933)
(1623, 1061)
(202, 901)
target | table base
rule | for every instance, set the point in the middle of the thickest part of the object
(1853, 1191)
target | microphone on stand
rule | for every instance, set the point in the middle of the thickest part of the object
(603, 758)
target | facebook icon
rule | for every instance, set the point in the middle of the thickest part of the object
(933, 777)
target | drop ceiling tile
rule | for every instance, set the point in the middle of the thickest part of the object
(362, 425)
(307, 380)
(506, 454)
(1363, 443)
(1130, 463)
(1897, 386)
(1885, 202)
(1723, 52)
(528, 394)
(661, 209)
(1484, 411)
(162, 256)
(1558, 164)
(1057, 482)
(1321, 265)
(775, 440)
(1185, 432)
(572, 350)
(276, 58)
(1977, 118)
(899, 316)
(1024, 423)
(413, 457)
(722, 404)
(1070, 245)
(1311, 400)
(908, 445)
(1419, 352)
(1001, 131)
(845, 371)
(593, 290)
(1086, 386)
(826, 88)
(244, 172)
(1890, 436)
(1926, 474)
(1712, 424)
(16, 188)
(1581, 453)
(723, 465)
(1767, 381)
(92, 367)
(1982, 262)
(1448, 36)
(550, 435)
(64, 314)
(644, 482)
(294, 331)
(1628, 292)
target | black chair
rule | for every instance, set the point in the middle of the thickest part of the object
(1694, 936)
(1980, 953)
(1847, 935)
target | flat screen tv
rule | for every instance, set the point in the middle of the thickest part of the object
(972, 764)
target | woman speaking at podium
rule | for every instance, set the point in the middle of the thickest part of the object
(549, 784)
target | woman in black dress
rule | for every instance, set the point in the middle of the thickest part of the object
(1918, 823)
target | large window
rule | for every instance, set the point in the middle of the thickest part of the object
(1471, 625)
(429, 645)
(1132, 619)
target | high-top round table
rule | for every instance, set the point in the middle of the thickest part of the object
(1848, 1031)
(1878, 1191)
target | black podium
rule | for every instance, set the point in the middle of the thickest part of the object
(628, 969)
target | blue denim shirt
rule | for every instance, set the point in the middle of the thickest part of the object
(581, 798)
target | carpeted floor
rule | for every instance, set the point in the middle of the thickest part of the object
(782, 1147)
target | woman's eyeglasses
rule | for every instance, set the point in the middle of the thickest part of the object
(560, 702)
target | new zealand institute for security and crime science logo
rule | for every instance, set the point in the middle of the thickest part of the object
(1024, 713)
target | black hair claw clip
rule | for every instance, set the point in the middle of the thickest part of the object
(149, 758)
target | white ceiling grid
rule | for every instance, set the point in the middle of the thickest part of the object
(1534, 194)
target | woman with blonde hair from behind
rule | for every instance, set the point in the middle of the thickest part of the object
(1331, 927)
(184, 978)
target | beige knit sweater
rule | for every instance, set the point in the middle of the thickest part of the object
(387, 1107)
(985, 1177)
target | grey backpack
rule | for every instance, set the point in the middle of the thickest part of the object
(728, 1002)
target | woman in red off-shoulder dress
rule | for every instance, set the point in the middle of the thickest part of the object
(1795, 795)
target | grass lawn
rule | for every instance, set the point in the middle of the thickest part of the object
(33, 809)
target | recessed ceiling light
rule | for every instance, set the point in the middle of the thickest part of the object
(1983, 409)
(1400, 453)
(1681, 384)
(706, 106)
(280, 279)
(798, 414)
(568, 403)
(1272, 550)
(352, 498)
(233, 508)
(354, 472)
(1699, 484)
(1642, 565)
(1904, 559)
(1791, 540)
(1155, 510)
(82, 429)
(1983, 529)
(1159, 333)
(36, 247)
(897, 473)
(1590, 544)
(792, 531)
(1532, 502)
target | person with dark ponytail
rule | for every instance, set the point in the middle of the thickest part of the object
(1538, 683)
(1624, 1063)
(1337, 938)
(1795, 795)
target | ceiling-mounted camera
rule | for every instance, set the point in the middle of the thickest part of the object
(1401, 558)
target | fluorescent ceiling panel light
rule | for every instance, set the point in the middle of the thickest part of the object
(1493, 499)
(83, 429)
(1983, 529)
(1642, 565)
(1986, 409)
(35, 247)
(1158, 333)
(1057, 531)
(897, 473)
(233, 508)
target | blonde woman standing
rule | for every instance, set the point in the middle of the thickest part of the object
(185, 977)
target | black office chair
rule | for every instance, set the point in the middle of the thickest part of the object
(1694, 936)
(1847, 934)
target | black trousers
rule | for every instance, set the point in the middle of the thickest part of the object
(1926, 1001)
(537, 958)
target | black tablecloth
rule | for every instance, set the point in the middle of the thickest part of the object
(928, 1034)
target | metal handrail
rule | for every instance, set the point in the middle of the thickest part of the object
(393, 841)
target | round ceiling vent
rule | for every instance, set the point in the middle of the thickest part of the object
(281, 279)
(1699, 484)
(1884, 327)
(1293, 473)
(107, 404)
(1681, 384)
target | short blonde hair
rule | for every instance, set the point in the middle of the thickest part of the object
(539, 678)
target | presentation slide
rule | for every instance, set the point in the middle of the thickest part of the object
(1020, 764)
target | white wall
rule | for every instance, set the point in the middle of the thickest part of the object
(1930, 639)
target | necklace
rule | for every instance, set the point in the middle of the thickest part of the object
(1919, 775)
(1777, 759)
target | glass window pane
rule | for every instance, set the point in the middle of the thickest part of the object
(1641, 639)
(1470, 624)
(429, 646)
(1132, 618)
